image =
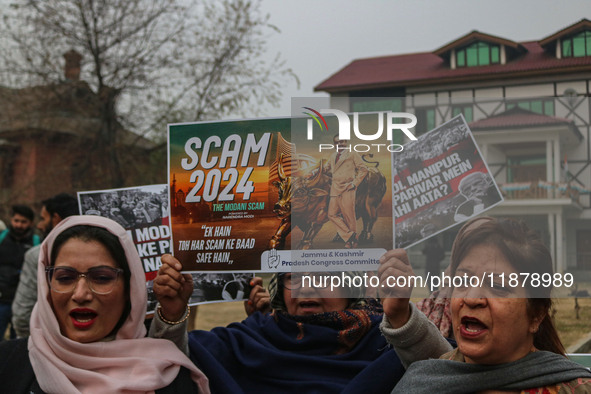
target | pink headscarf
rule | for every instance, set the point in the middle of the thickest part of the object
(130, 363)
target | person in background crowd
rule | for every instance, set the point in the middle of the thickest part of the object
(154, 209)
(141, 215)
(89, 207)
(53, 211)
(14, 242)
(87, 331)
(126, 210)
(165, 211)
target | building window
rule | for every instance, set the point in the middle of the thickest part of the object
(478, 54)
(425, 120)
(466, 110)
(577, 45)
(539, 106)
(394, 104)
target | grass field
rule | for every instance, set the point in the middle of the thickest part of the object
(569, 327)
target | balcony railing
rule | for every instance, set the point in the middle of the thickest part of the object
(541, 190)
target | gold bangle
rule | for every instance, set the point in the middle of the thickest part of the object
(173, 323)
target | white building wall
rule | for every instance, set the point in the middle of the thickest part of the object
(424, 99)
(488, 93)
(461, 96)
(579, 86)
(529, 90)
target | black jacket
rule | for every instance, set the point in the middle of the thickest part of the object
(12, 255)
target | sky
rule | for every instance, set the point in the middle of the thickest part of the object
(319, 37)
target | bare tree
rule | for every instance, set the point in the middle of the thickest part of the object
(150, 62)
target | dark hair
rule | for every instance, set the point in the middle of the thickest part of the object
(23, 210)
(63, 204)
(110, 242)
(525, 251)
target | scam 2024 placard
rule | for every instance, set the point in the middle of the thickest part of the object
(222, 196)
(241, 188)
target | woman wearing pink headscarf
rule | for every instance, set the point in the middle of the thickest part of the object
(88, 336)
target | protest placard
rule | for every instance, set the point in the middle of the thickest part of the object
(245, 198)
(440, 180)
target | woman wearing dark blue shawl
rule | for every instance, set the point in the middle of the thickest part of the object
(307, 344)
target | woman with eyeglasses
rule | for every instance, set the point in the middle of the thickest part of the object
(315, 339)
(87, 331)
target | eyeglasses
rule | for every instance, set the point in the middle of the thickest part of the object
(101, 280)
(318, 280)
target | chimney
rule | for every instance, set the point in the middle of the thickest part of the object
(72, 68)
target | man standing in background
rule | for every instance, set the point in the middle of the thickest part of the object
(14, 242)
(53, 211)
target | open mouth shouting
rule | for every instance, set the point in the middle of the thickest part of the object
(83, 318)
(471, 327)
(309, 306)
